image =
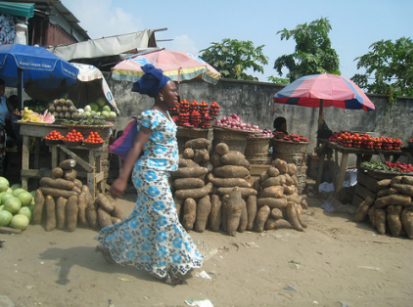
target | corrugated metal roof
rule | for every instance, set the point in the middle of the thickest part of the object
(17, 9)
(45, 7)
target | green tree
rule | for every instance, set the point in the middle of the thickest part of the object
(232, 57)
(392, 67)
(313, 52)
(278, 80)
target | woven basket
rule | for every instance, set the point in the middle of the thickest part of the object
(257, 150)
(235, 139)
(285, 147)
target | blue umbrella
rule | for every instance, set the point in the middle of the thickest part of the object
(22, 63)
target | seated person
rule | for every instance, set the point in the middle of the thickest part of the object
(13, 136)
(280, 124)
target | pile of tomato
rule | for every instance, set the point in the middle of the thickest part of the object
(280, 136)
(73, 136)
(54, 135)
(365, 141)
(94, 137)
(405, 168)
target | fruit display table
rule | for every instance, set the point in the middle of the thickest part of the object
(327, 150)
(93, 165)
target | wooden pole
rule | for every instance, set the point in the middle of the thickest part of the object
(320, 114)
(20, 86)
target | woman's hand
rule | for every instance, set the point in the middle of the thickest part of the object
(118, 188)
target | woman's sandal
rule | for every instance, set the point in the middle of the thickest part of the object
(170, 280)
(105, 253)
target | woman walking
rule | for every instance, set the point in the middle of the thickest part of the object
(152, 238)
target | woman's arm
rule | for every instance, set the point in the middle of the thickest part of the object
(120, 184)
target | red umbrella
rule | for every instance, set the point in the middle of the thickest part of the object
(324, 90)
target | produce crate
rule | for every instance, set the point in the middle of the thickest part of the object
(366, 185)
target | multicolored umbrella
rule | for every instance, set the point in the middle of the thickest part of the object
(324, 90)
(174, 64)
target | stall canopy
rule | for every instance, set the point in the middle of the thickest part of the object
(103, 47)
(17, 9)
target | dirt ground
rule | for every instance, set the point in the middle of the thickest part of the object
(335, 262)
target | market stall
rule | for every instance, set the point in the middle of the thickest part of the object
(364, 152)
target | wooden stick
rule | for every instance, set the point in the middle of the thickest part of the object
(9, 230)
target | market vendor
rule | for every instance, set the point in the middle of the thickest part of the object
(3, 135)
(14, 139)
(280, 125)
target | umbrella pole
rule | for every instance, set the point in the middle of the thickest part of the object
(20, 86)
(320, 114)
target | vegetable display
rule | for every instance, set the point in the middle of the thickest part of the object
(280, 136)
(365, 141)
(54, 135)
(388, 166)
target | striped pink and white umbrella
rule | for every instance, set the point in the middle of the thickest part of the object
(324, 90)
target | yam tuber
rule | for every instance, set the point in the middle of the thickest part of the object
(78, 183)
(273, 223)
(274, 181)
(276, 213)
(380, 218)
(38, 207)
(281, 165)
(243, 222)
(221, 149)
(194, 193)
(384, 184)
(292, 168)
(187, 163)
(82, 210)
(251, 211)
(231, 171)
(70, 175)
(188, 183)
(280, 203)
(58, 183)
(61, 212)
(300, 216)
(188, 153)
(233, 208)
(57, 172)
(190, 172)
(371, 214)
(393, 220)
(405, 189)
(272, 171)
(104, 203)
(215, 215)
(293, 216)
(224, 206)
(362, 209)
(235, 158)
(406, 217)
(72, 213)
(189, 217)
(199, 143)
(50, 213)
(229, 182)
(261, 218)
(385, 192)
(203, 209)
(57, 192)
(394, 199)
(104, 218)
(201, 155)
(272, 191)
(215, 160)
(288, 180)
(67, 164)
(407, 180)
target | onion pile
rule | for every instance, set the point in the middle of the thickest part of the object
(234, 122)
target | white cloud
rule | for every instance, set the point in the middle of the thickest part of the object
(100, 19)
(181, 43)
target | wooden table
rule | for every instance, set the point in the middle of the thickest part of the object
(93, 167)
(329, 148)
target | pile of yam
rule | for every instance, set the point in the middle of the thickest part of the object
(392, 209)
(191, 192)
(234, 199)
(63, 202)
(279, 205)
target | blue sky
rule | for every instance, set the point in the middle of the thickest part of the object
(193, 25)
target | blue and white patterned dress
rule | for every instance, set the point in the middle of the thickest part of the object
(152, 238)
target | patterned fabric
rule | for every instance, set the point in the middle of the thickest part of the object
(151, 238)
(161, 150)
